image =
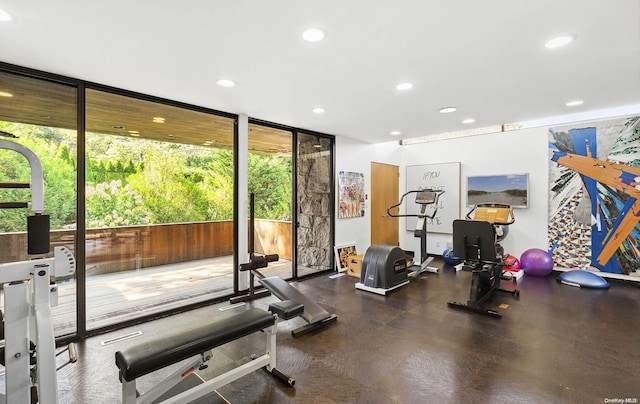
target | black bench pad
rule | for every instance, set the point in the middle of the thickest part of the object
(157, 353)
(284, 291)
(286, 309)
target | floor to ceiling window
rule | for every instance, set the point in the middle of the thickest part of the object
(142, 191)
(41, 116)
(159, 207)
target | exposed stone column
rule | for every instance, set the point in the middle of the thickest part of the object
(314, 201)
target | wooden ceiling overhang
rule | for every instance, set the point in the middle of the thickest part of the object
(44, 103)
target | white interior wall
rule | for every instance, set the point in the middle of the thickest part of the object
(514, 152)
(355, 156)
(519, 151)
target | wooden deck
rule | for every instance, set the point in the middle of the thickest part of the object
(122, 296)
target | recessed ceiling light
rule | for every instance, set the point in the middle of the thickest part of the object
(4, 16)
(395, 133)
(574, 103)
(448, 110)
(559, 41)
(158, 119)
(225, 83)
(313, 35)
(5, 94)
(404, 86)
(469, 120)
(318, 110)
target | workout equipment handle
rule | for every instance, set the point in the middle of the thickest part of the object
(438, 193)
(37, 178)
(272, 257)
(73, 355)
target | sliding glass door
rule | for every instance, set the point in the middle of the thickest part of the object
(269, 180)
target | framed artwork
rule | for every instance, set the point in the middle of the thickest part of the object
(594, 196)
(440, 176)
(509, 189)
(350, 194)
(343, 252)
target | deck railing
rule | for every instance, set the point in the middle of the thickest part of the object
(114, 249)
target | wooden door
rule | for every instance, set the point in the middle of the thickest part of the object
(384, 193)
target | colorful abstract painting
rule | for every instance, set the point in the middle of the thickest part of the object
(350, 194)
(594, 196)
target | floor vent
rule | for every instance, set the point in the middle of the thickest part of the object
(121, 338)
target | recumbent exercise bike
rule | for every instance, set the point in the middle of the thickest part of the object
(475, 241)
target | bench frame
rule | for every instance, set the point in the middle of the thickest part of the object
(281, 310)
(268, 360)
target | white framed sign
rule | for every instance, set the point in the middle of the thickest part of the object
(441, 176)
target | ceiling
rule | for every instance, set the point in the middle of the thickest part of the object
(486, 58)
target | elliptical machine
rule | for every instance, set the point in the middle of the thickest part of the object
(475, 241)
(425, 198)
(384, 267)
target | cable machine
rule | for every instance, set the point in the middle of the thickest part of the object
(30, 291)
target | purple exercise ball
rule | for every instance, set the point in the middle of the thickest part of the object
(536, 262)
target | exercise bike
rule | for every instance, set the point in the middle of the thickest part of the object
(475, 241)
(425, 198)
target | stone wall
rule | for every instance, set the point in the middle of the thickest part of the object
(314, 201)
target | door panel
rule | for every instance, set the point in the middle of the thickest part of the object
(384, 193)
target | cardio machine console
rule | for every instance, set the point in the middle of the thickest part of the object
(426, 197)
(494, 213)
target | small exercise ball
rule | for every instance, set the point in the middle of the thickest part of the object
(449, 257)
(536, 262)
(511, 263)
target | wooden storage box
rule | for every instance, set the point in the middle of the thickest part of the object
(354, 264)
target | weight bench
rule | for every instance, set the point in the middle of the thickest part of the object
(313, 314)
(198, 344)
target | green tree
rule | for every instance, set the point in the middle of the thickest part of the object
(270, 180)
(135, 181)
(167, 192)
